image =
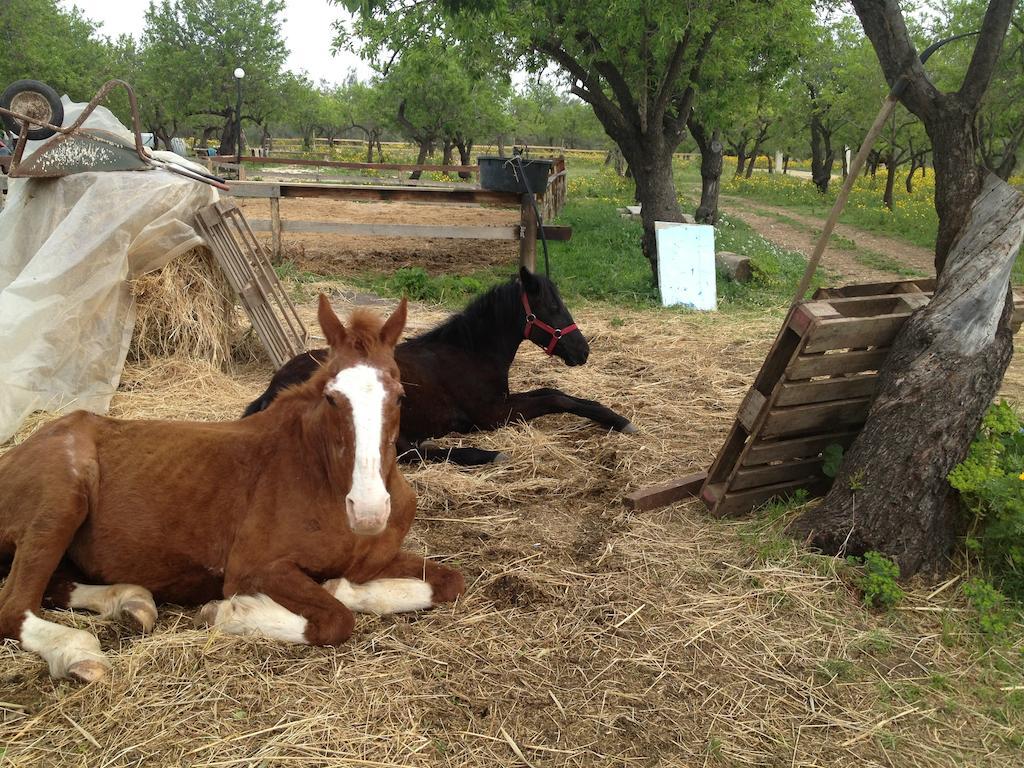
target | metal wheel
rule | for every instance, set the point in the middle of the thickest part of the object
(35, 100)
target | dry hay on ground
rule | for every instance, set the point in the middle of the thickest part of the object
(588, 635)
(187, 310)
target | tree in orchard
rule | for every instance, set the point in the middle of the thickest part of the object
(636, 65)
(191, 48)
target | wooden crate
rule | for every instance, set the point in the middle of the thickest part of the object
(814, 389)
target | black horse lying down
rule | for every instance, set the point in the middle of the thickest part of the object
(456, 375)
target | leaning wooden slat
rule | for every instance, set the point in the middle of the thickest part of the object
(770, 474)
(819, 416)
(926, 285)
(763, 451)
(823, 390)
(654, 496)
(744, 501)
(855, 332)
(836, 363)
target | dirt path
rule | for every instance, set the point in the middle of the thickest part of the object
(911, 256)
(855, 254)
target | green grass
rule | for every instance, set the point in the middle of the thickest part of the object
(603, 260)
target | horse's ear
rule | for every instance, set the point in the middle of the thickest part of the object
(392, 329)
(332, 327)
(529, 280)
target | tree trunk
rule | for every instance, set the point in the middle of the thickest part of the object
(891, 493)
(446, 151)
(369, 147)
(890, 178)
(501, 145)
(846, 165)
(651, 163)
(741, 158)
(785, 164)
(822, 155)
(227, 137)
(465, 155)
(421, 159)
(710, 171)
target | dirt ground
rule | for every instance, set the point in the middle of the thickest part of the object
(347, 255)
(588, 636)
(763, 218)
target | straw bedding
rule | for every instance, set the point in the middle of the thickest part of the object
(588, 635)
(187, 310)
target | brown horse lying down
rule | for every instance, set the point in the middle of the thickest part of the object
(296, 515)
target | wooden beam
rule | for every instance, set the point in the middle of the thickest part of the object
(764, 451)
(805, 367)
(226, 159)
(528, 242)
(816, 417)
(389, 230)
(653, 496)
(823, 390)
(275, 230)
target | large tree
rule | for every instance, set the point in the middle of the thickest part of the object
(891, 493)
(190, 49)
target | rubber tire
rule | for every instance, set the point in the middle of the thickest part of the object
(52, 98)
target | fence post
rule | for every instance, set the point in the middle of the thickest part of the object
(275, 230)
(528, 239)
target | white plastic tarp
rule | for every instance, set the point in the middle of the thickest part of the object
(68, 246)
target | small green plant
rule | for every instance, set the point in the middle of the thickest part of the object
(832, 457)
(878, 583)
(991, 487)
(992, 612)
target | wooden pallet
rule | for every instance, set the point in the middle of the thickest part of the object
(814, 390)
(248, 269)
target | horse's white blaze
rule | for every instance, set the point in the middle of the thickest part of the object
(63, 648)
(368, 503)
(257, 615)
(114, 600)
(382, 596)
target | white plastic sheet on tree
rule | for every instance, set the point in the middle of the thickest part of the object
(68, 246)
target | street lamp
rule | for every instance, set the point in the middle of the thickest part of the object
(239, 74)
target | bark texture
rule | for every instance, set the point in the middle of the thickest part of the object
(710, 171)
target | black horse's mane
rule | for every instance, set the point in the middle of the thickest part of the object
(498, 311)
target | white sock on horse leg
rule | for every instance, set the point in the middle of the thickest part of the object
(382, 596)
(255, 615)
(115, 600)
(68, 652)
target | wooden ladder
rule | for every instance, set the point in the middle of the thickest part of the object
(244, 261)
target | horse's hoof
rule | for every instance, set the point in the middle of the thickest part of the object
(207, 615)
(141, 613)
(501, 458)
(629, 428)
(429, 445)
(88, 671)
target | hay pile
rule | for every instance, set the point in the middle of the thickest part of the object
(187, 310)
(588, 635)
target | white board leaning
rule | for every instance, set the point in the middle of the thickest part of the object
(686, 265)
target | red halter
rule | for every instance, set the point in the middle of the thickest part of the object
(556, 333)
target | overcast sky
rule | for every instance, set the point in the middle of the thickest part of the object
(308, 33)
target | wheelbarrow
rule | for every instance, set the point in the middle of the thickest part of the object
(32, 111)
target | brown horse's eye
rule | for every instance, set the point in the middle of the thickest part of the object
(330, 400)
